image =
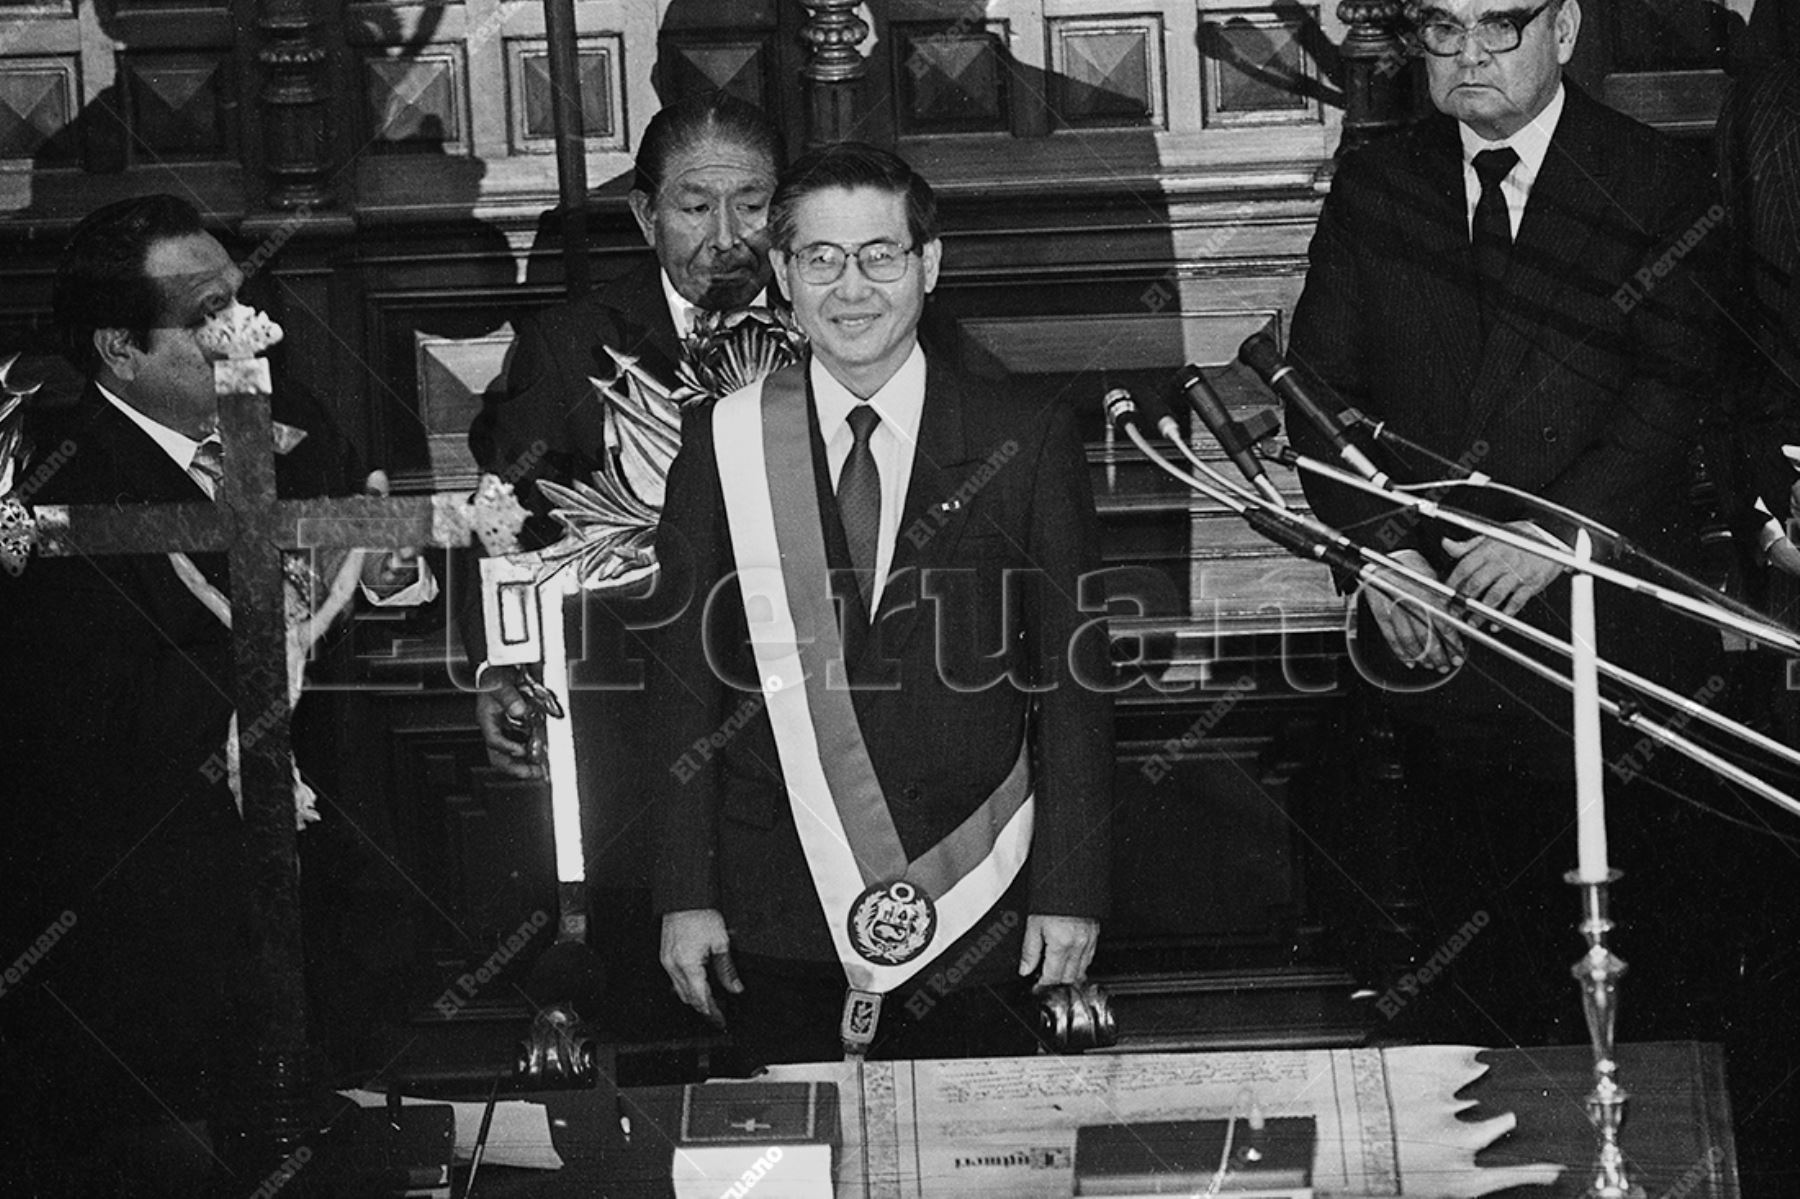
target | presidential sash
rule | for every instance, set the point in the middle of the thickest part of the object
(889, 916)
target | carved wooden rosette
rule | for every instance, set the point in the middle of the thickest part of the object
(296, 90)
(834, 69)
(1376, 70)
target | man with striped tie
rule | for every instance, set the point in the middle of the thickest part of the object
(120, 827)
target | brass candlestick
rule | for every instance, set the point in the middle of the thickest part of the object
(1598, 971)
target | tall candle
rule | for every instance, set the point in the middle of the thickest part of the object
(1590, 774)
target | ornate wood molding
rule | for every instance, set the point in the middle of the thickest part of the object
(296, 91)
(834, 69)
(1375, 70)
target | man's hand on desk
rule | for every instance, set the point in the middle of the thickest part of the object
(1500, 576)
(509, 727)
(1415, 638)
(1063, 944)
(692, 941)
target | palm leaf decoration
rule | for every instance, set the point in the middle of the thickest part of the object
(609, 522)
(728, 351)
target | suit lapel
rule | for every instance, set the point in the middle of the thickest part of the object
(138, 471)
(646, 327)
(1434, 208)
(933, 518)
(1567, 207)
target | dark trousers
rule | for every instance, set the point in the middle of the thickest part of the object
(791, 1012)
(1491, 833)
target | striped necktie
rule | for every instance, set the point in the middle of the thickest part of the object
(208, 466)
(859, 500)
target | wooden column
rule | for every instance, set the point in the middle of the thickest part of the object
(1377, 71)
(296, 90)
(834, 70)
(571, 148)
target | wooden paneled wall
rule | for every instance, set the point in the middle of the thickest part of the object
(1128, 186)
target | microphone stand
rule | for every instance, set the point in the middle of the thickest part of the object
(1308, 538)
(1703, 610)
(1465, 476)
(1599, 970)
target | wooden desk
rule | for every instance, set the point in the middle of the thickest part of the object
(1677, 1133)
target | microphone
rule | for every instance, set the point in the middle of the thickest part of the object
(1260, 355)
(1286, 528)
(1227, 432)
(1168, 426)
(1121, 411)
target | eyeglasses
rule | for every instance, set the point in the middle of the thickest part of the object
(1495, 34)
(879, 261)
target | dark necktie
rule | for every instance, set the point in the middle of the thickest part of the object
(859, 500)
(1492, 231)
(208, 466)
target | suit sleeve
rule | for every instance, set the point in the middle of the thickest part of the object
(686, 695)
(522, 433)
(1759, 176)
(1072, 746)
(121, 695)
(1671, 340)
(1329, 341)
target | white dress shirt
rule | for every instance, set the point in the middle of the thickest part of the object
(901, 402)
(1531, 143)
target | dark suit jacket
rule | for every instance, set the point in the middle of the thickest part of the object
(947, 684)
(121, 641)
(1589, 387)
(547, 423)
(113, 718)
(1759, 170)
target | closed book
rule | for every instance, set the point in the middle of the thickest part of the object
(776, 1139)
(770, 1113)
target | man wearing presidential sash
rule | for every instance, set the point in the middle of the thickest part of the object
(886, 812)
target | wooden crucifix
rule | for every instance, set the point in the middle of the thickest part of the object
(254, 528)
